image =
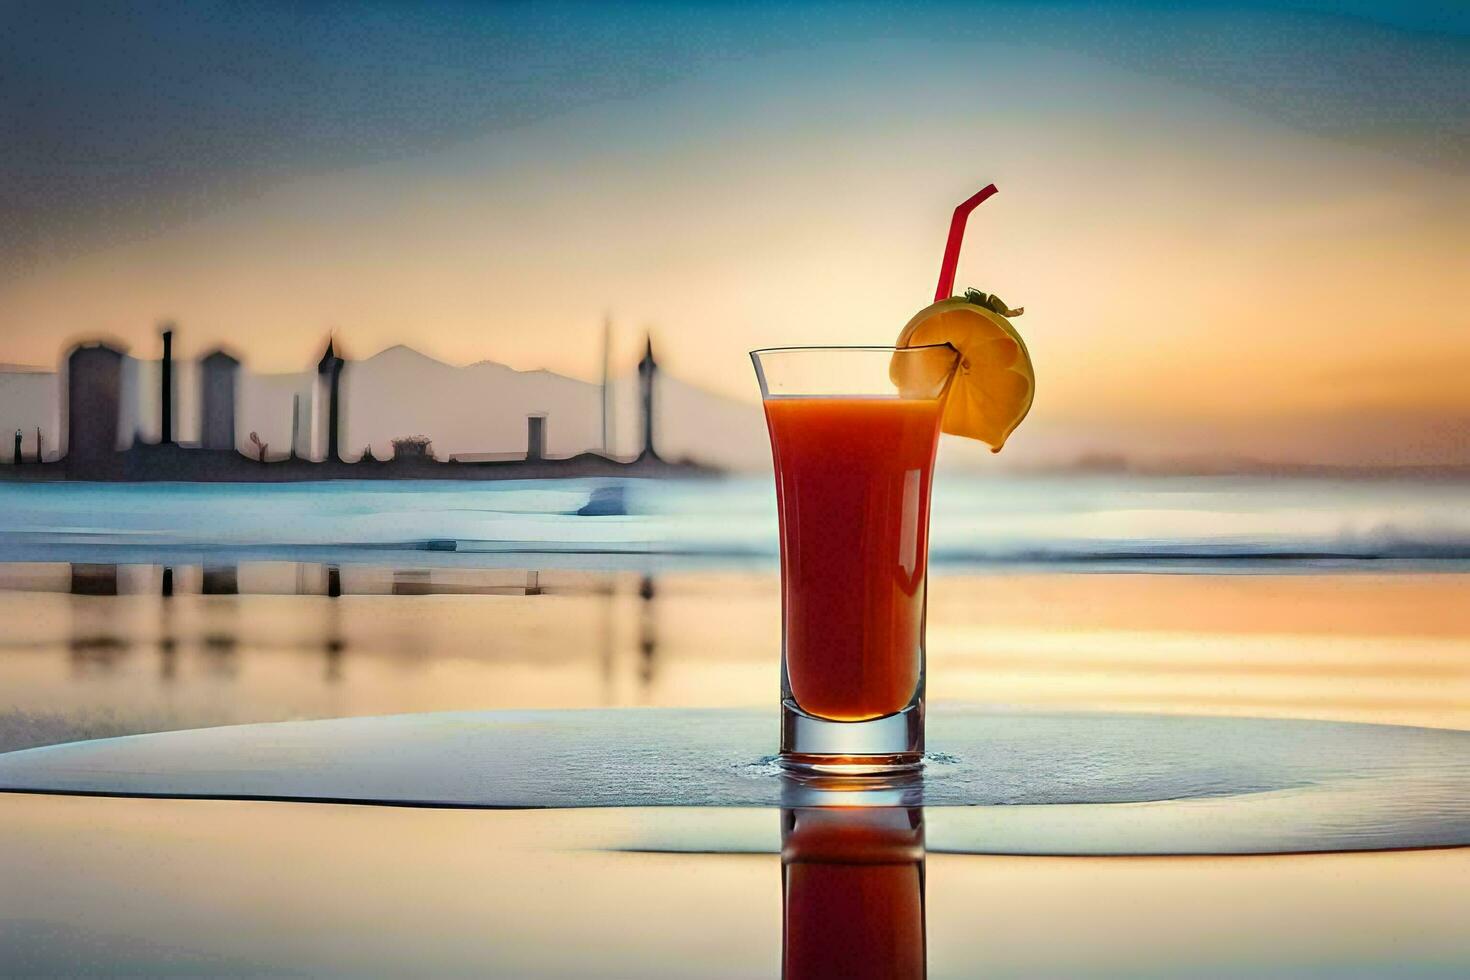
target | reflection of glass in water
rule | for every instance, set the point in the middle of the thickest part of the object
(853, 883)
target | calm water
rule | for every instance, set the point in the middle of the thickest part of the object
(1074, 519)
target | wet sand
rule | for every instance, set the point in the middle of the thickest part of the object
(1351, 647)
(189, 887)
(160, 886)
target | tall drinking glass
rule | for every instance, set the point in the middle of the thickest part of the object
(853, 436)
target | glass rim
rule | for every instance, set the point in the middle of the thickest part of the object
(851, 347)
(854, 371)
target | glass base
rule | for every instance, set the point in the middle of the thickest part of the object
(822, 747)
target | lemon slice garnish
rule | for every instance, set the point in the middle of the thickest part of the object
(993, 384)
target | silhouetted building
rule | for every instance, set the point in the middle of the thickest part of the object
(607, 430)
(296, 427)
(647, 375)
(329, 381)
(535, 436)
(93, 394)
(217, 374)
(16, 459)
(166, 388)
(93, 444)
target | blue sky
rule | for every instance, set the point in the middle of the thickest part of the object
(119, 120)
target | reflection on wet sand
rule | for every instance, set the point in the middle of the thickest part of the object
(430, 581)
(413, 581)
(301, 578)
(91, 655)
(1383, 648)
(852, 893)
(647, 631)
(168, 642)
(607, 650)
(92, 579)
(220, 646)
(228, 643)
(221, 580)
(535, 893)
(82, 650)
(333, 645)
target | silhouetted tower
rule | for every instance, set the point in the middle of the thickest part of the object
(93, 391)
(296, 426)
(647, 375)
(329, 373)
(217, 373)
(166, 387)
(607, 435)
(535, 437)
(17, 459)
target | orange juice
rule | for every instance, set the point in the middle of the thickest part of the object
(852, 485)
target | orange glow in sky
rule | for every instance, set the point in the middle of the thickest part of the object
(1190, 270)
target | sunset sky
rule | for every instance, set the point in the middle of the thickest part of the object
(1242, 230)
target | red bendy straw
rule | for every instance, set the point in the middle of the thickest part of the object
(952, 247)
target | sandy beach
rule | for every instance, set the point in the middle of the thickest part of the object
(339, 890)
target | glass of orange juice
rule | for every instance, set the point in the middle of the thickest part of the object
(853, 436)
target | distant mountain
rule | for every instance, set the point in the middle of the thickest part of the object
(476, 410)
(481, 409)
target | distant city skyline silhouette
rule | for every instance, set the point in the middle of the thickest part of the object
(118, 417)
(405, 403)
